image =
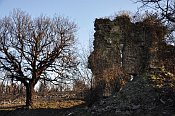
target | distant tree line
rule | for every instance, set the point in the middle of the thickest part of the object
(14, 93)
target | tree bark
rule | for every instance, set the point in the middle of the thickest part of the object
(29, 94)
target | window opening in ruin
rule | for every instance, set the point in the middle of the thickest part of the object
(121, 53)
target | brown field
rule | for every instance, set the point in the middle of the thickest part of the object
(59, 108)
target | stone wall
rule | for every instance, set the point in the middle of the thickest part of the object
(124, 48)
(140, 43)
(105, 56)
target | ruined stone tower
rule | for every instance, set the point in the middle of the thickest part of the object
(124, 48)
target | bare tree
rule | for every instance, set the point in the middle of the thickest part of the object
(85, 73)
(35, 49)
(165, 7)
(166, 12)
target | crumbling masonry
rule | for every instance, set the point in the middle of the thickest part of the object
(124, 48)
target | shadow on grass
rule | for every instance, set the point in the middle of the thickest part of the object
(79, 110)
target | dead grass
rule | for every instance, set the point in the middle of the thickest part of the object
(45, 104)
(58, 104)
(59, 108)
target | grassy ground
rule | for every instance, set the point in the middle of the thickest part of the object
(58, 105)
(61, 108)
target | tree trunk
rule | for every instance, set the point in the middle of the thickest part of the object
(29, 94)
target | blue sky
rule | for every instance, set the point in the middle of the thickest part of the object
(82, 12)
